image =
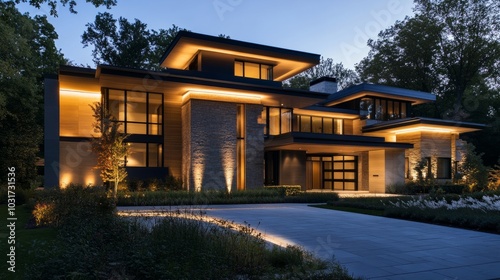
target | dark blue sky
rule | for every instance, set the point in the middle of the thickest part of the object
(332, 28)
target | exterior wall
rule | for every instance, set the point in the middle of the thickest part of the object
(172, 141)
(254, 144)
(211, 132)
(293, 168)
(427, 144)
(348, 127)
(357, 126)
(217, 63)
(414, 155)
(394, 167)
(386, 167)
(363, 171)
(209, 139)
(376, 171)
(76, 164)
(187, 175)
(51, 138)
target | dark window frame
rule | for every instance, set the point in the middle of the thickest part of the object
(383, 102)
(270, 69)
(148, 139)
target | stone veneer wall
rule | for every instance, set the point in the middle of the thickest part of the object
(363, 172)
(209, 145)
(427, 144)
(254, 143)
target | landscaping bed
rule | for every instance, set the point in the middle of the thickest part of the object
(477, 211)
(90, 241)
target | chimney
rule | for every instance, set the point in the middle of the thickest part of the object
(324, 84)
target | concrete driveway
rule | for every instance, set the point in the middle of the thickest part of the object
(368, 246)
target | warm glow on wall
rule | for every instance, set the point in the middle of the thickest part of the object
(216, 95)
(423, 129)
(90, 180)
(66, 179)
(227, 156)
(80, 94)
(198, 170)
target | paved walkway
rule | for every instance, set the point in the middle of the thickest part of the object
(372, 247)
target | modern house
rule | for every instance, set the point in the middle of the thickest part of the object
(218, 117)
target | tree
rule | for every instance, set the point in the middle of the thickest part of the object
(109, 146)
(446, 48)
(452, 49)
(469, 42)
(326, 68)
(72, 4)
(122, 43)
(27, 53)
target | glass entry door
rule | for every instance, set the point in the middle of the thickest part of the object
(333, 172)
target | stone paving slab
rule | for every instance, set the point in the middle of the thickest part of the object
(368, 246)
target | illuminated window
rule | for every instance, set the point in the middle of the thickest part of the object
(139, 112)
(322, 125)
(278, 120)
(253, 70)
(145, 155)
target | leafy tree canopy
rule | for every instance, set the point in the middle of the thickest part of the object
(70, 3)
(326, 68)
(452, 49)
(27, 53)
(122, 43)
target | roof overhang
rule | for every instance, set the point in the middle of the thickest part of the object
(365, 89)
(321, 111)
(328, 143)
(287, 63)
(422, 125)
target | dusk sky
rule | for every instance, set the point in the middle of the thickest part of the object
(334, 29)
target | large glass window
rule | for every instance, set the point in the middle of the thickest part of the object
(382, 109)
(144, 155)
(253, 70)
(279, 120)
(139, 112)
(303, 123)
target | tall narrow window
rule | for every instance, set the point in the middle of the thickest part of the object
(240, 147)
(274, 121)
(286, 120)
(339, 126)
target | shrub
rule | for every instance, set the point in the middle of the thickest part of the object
(474, 173)
(56, 207)
(286, 190)
(426, 188)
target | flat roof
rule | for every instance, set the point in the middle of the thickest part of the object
(315, 142)
(366, 89)
(286, 62)
(423, 124)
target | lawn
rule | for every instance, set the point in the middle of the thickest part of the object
(28, 241)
